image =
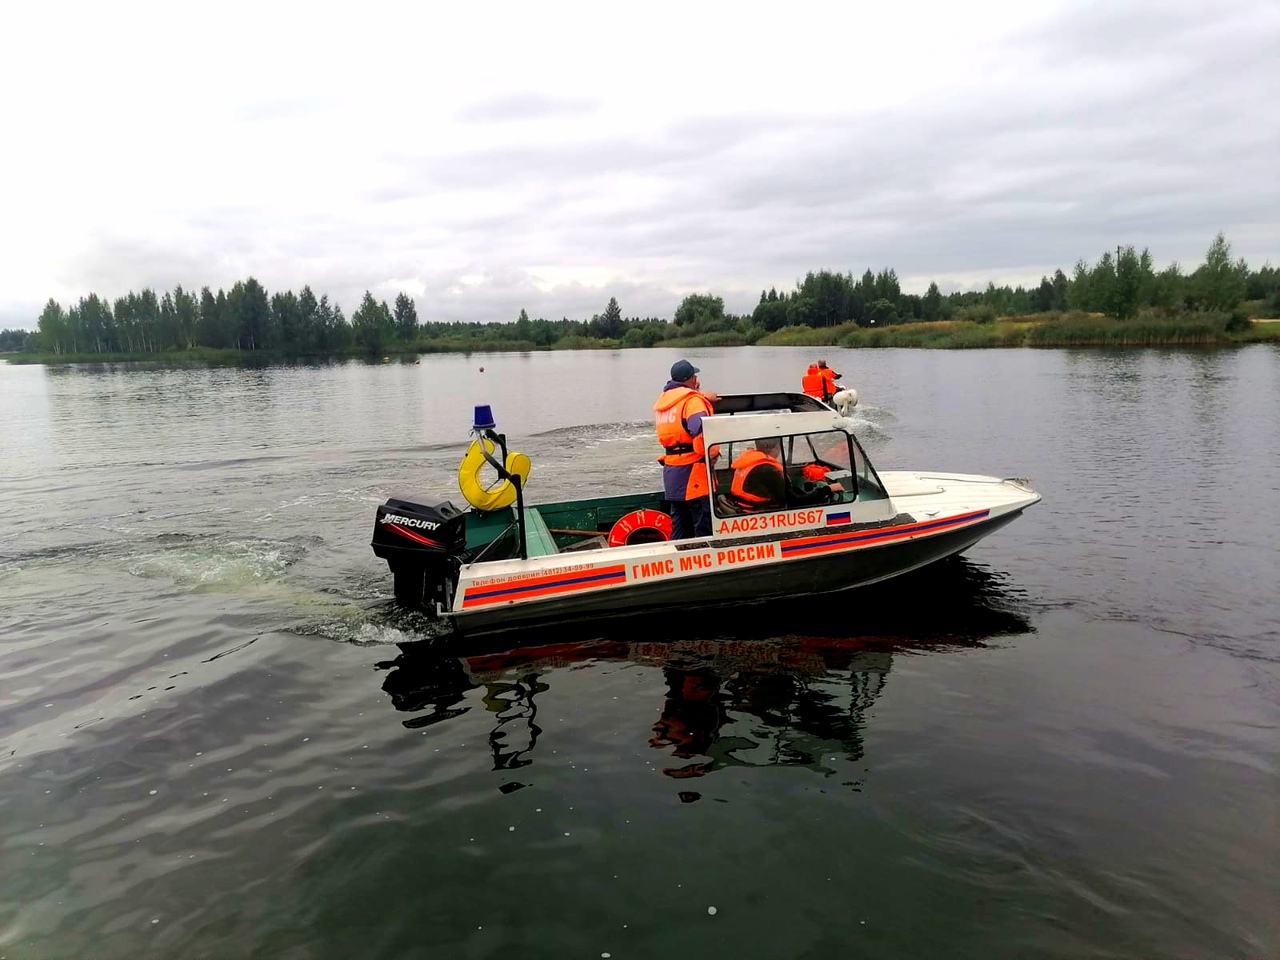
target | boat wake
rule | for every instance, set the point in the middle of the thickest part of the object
(228, 563)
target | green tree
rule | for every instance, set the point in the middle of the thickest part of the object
(1061, 286)
(286, 321)
(145, 310)
(1126, 293)
(1168, 290)
(770, 314)
(613, 319)
(97, 323)
(830, 295)
(51, 329)
(17, 341)
(1042, 296)
(887, 287)
(169, 336)
(187, 312)
(931, 305)
(252, 315)
(524, 326)
(1102, 284)
(881, 313)
(1219, 284)
(699, 312)
(405, 318)
(225, 320)
(1079, 294)
(309, 334)
(372, 324)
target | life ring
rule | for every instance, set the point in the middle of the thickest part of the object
(499, 495)
(640, 526)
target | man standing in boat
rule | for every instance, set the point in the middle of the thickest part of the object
(677, 416)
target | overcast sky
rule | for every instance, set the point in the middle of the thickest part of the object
(488, 157)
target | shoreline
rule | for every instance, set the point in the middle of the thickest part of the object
(1005, 333)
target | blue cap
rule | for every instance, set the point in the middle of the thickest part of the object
(682, 370)
(484, 417)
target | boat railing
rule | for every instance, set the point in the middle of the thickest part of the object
(767, 403)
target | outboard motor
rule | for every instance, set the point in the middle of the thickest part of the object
(423, 540)
(844, 401)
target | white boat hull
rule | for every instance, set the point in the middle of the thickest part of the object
(931, 516)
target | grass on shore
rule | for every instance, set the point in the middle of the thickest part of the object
(1044, 330)
(1071, 329)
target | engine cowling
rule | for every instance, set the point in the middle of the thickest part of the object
(423, 540)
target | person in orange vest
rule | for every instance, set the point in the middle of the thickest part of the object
(677, 416)
(758, 480)
(819, 381)
(812, 382)
(829, 378)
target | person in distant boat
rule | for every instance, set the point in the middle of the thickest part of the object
(829, 378)
(811, 382)
(758, 479)
(677, 416)
(819, 381)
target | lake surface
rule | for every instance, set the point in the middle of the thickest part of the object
(1064, 745)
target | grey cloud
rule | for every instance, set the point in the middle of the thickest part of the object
(285, 108)
(145, 263)
(524, 106)
(502, 297)
(1143, 124)
(20, 315)
(683, 147)
(1121, 33)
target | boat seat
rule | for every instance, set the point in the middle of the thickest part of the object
(538, 539)
(726, 506)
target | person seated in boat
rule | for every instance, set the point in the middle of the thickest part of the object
(829, 377)
(819, 381)
(759, 482)
(812, 382)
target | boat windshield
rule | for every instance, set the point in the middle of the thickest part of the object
(782, 473)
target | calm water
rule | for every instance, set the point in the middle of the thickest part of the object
(1064, 745)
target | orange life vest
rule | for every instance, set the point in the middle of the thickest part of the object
(670, 412)
(813, 382)
(748, 461)
(814, 471)
(829, 387)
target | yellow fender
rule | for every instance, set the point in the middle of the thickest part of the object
(503, 492)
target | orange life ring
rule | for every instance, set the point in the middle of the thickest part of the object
(640, 526)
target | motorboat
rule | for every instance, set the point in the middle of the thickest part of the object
(503, 563)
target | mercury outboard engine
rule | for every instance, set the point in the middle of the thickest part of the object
(423, 540)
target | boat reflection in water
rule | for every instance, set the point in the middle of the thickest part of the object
(787, 684)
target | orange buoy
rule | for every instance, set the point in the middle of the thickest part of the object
(640, 526)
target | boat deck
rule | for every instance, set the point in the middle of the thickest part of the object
(538, 539)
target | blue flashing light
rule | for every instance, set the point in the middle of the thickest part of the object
(484, 417)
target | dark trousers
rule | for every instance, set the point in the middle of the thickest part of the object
(690, 518)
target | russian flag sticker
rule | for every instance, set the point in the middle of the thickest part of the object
(841, 517)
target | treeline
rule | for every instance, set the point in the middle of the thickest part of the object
(247, 318)
(1122, 285)
(244, 318)
(609, 327)
(1119, 285)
